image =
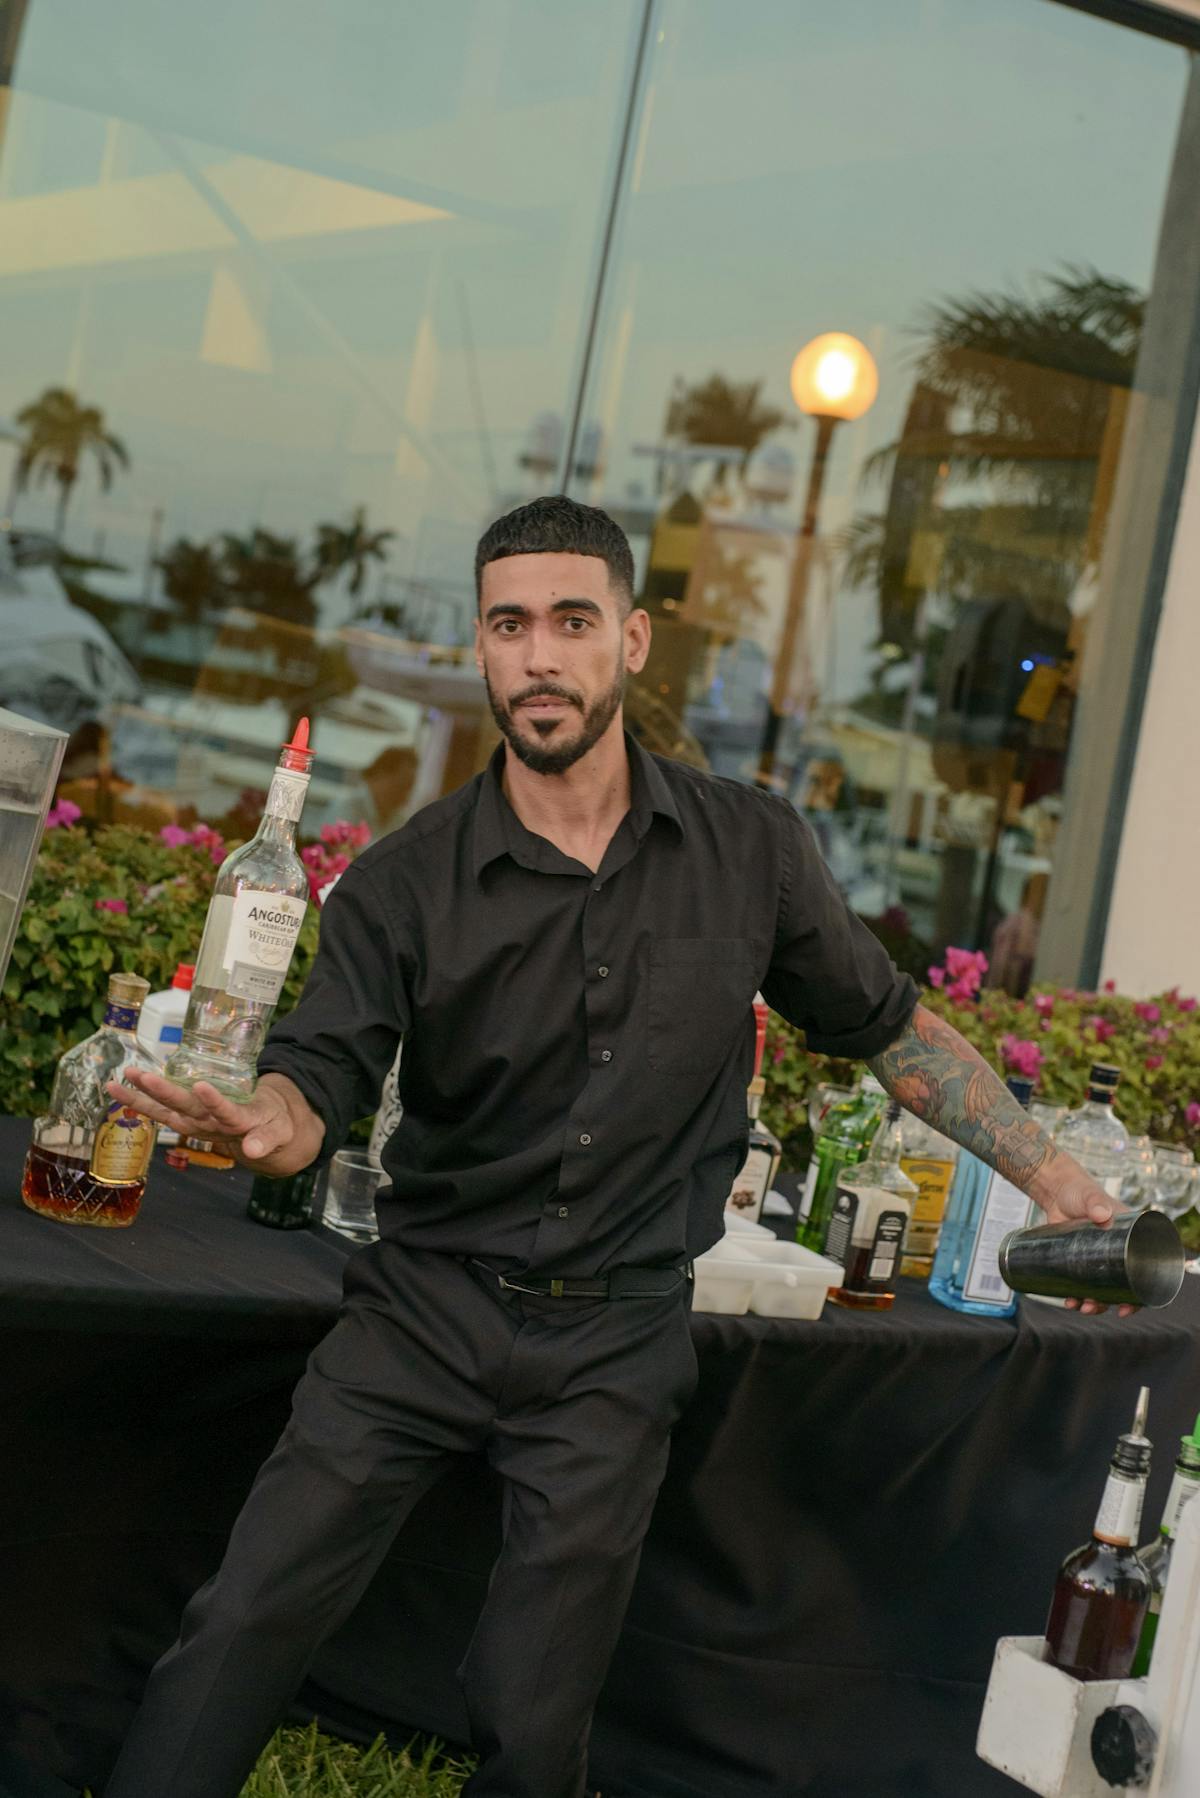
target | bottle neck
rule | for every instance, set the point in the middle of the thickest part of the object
(121, 1016)
(1185, 1484)
(285, 802)
(1119, 1519)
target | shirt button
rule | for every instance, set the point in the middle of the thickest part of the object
(603, 973)
(563, 1212)
(596, 885)
(606, 1054)
(585, 1139)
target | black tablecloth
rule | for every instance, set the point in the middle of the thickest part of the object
(855, 1510)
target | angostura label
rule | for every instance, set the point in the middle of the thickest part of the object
(121, 1151)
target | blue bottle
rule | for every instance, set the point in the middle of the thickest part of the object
(983, 1208)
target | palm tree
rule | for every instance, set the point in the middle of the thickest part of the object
(725, 413)
(265, 574)
(58, 434)
(350, 546)
(1015, 394)
(192, 577)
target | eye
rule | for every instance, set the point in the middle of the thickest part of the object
(577, 618)
(507, 627)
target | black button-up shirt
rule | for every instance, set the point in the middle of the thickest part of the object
(577, 1045)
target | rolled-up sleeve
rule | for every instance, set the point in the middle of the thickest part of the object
(829, 975)
(340, 1040)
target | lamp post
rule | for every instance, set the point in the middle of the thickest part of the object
(834, 380)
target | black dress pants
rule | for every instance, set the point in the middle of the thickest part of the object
(573, 1403)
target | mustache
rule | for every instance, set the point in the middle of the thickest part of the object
(544, 690)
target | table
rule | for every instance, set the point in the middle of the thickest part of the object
(855, 1509)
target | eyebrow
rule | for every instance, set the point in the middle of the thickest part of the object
(511, 609)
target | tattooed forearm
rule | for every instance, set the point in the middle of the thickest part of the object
(935, 1073)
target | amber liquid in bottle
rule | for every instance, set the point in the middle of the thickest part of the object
(63, 1187)
(1102, 1591)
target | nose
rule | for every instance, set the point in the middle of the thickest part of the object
(542, 651)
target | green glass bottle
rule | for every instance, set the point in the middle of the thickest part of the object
(849, 1128)
(1156, 1556)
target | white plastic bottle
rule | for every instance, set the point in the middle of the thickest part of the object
(160, 1026)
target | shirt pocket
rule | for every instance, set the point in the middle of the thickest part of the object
(700, 992)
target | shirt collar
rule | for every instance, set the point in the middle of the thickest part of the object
(498, 830)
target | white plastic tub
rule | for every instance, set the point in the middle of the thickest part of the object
(760, 1274)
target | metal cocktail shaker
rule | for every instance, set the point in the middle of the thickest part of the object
(1138, 1260)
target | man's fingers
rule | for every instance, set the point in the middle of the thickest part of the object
(1100, 1213)
(150, 1108)
(163, 1092)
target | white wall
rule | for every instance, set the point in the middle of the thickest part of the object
(1153, 937)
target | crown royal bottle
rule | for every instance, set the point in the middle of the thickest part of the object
(88, 1158)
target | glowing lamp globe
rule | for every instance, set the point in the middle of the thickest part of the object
(835, 376)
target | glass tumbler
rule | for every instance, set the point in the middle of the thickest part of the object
(354, 1179)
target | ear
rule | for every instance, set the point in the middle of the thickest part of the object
(478, 646)
(636, 631)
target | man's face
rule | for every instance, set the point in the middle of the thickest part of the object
(554, 650)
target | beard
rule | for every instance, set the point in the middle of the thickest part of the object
(556, 757)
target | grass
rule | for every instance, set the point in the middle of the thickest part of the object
(302, 1763)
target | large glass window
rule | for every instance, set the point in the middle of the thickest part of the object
(292, 294)
(296, 297)
(883, 601)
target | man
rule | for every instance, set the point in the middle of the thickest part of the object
(569, 947)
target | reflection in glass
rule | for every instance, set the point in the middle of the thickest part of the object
(280, 306)
(888, 621)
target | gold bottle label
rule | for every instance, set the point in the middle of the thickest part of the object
(932, 1178)
(122, 1149)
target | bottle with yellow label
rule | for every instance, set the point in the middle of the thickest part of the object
(929, 1159)
(88, 1158)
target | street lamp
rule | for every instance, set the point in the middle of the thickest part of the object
(834, 380)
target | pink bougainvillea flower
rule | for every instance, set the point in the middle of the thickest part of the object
(1022, 1057)
(1193, 1114)
(779, 1052)
(111, 905)
(65, 813)
(1153, 1062)
(175, 836)
(1148, 1012)
(344, 834)
(937, 976)
(1187, 1005)
(1110, 986)
(1043, 1004)
(1160, 1035)
(1102, 1028)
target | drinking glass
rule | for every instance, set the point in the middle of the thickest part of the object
(354, 1179)
(1174, 1190)
(822, 1096)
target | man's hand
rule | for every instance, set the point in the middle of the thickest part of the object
(1067, 1194)
(269, 1132)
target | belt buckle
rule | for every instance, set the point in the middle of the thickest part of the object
(556, 1289)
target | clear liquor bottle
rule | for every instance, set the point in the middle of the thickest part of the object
(844, 1141)
(1095, 1135)
(871, 1212)
(258, 905)
(1102, 1591)
(1156, 1556)
(982, 1209)
(88, 1157)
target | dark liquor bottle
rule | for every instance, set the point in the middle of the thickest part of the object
(283, 1204)
(870, 1215)
(88, 1158)
(1156, 1556)
(1102, 1592)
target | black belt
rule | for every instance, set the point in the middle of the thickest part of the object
(622, 1283)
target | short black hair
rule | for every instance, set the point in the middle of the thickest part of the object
(556, 525)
